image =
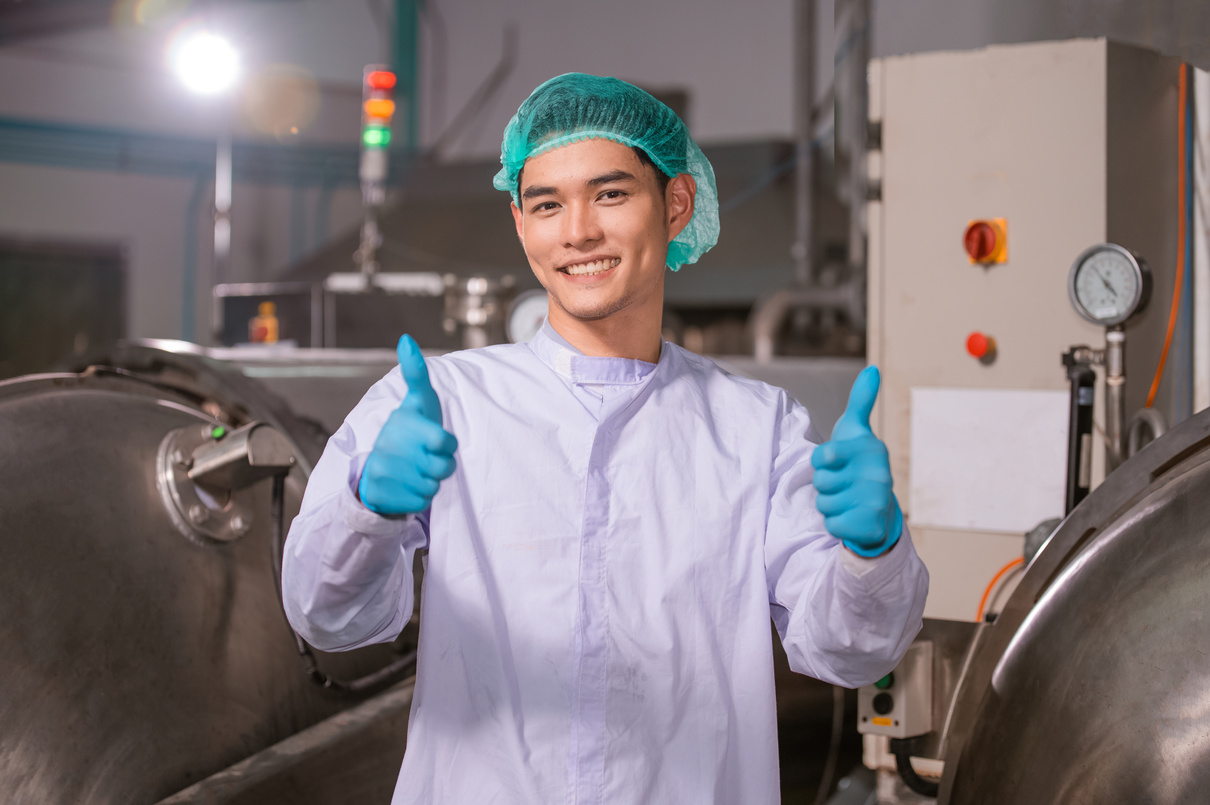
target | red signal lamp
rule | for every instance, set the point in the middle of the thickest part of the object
(380, 79)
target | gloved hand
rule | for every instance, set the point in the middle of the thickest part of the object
(413, 453)
(853, 477)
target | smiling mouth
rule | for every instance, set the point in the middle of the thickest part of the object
(588, 269)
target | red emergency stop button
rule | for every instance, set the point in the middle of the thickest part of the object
(986, 241)
(981, 346)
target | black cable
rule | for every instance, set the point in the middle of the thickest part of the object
(902, 749)
(380, 678)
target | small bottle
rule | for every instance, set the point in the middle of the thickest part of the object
(262, 328)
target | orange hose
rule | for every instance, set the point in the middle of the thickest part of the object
(983, 601)
(1180, 242)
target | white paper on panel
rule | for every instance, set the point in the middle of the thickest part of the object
(987, 459)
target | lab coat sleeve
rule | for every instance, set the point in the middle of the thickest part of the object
(346, 571)
(842, 618)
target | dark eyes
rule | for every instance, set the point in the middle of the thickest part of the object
(607, 195)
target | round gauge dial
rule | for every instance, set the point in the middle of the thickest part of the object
(1108, 284)
(526, 314)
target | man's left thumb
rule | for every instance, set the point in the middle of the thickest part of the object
(855, 420)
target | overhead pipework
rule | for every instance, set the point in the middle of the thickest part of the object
(806, 293)
(771, 311)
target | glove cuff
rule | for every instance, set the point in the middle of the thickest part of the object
(892, 535)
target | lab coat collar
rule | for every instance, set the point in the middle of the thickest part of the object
(554, 350)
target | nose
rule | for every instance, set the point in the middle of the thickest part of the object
(581, 226)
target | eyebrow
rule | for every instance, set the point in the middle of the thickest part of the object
(612, 176)
(606, 178)
(534, 191)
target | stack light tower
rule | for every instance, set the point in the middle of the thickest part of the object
(377, 111)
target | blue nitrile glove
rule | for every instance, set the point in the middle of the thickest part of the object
(853, 477)
(413, 453)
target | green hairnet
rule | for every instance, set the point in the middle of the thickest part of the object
(576, 106)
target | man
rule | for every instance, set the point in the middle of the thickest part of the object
(610, 520)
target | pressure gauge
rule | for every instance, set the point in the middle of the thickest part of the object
(526, 314)
(1108, 284)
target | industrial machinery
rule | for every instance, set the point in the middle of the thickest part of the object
(1006, 408)
(990, 172)
(1090, 685)
(145, 648)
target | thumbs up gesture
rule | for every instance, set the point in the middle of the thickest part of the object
(413, 453)
(853, 477)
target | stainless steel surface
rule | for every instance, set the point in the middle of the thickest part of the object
(239, 458)
(475, 308)
(136, 662)
(1091, 686)
(353, 756)
(1145, 421)
(199, 514)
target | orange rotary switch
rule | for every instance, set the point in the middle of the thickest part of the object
(986, 241)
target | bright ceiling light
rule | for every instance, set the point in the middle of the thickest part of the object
(206, 63)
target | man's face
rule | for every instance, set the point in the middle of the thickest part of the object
(596, 228)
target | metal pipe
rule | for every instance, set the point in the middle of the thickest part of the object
(1145, 420)
(1201, 242)
(193, 212)
(223, 180)
(852, 124)
(405, 61)
(804, 103)
(769, 313)
(1115, 396)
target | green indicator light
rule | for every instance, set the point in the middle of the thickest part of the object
(885, 682)
(376, 137)
(218, 432)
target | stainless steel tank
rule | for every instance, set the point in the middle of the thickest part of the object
(1093, 685)
(139, 658)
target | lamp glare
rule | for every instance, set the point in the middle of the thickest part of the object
(206, 63)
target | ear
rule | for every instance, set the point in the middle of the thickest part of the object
(519, 221)
(682, 190)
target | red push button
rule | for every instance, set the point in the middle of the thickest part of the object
(981, 346)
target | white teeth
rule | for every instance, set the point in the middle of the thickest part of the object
(595, 267)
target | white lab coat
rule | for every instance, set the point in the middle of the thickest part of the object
(601, 572)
